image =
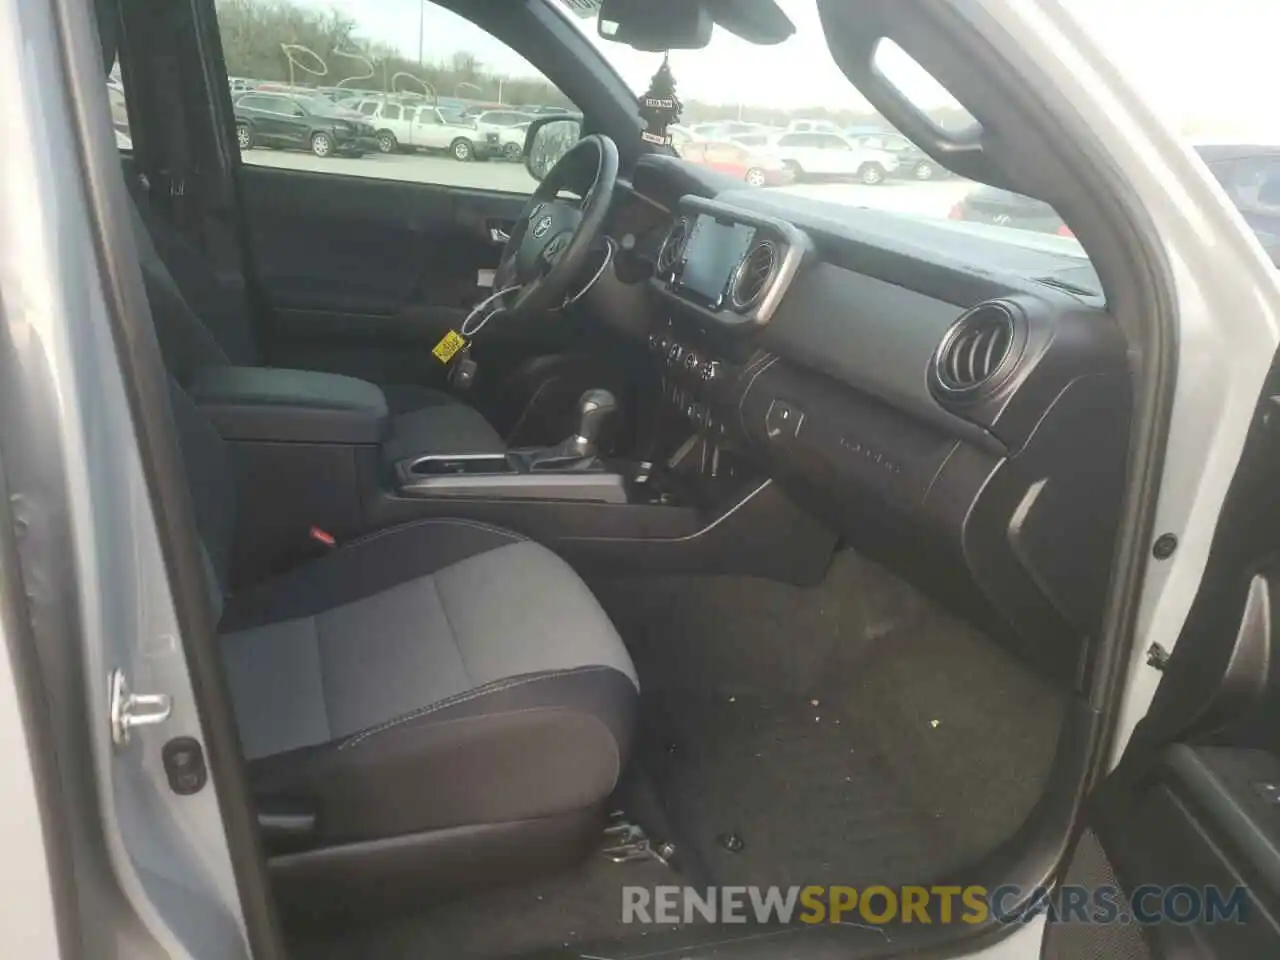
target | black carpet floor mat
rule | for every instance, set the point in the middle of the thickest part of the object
(850, 733)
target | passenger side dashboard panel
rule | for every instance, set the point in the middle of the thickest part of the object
(971, 432)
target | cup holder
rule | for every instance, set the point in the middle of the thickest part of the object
(461, 465)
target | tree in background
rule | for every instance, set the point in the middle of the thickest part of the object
(254, 30)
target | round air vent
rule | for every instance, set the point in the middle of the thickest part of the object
(752, 277)
(975, 352)
(672, 248)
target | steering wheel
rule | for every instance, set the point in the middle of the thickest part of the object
(552, 241)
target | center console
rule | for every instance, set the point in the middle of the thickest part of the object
(720, 275)
(314, 472)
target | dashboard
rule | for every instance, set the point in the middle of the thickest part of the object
(954, 405)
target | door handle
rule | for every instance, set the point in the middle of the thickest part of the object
(500, 231)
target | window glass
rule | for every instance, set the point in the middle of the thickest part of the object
(1200, 65)
(1254, 183)
(795, 91)
(407, 48)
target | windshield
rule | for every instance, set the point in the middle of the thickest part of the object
(792, 102)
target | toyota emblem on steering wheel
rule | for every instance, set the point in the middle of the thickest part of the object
(542, 229)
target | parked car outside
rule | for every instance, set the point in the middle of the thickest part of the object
(825, 156)
(759, 139)
(755, 167)
(494, 125)
(913, 163)
(303, 122)
(680, 135)
(1249, 174)
(812, 126)
(511, 142)
(402, 125)
(726, 129)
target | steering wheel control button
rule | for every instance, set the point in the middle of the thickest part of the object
(782, 421)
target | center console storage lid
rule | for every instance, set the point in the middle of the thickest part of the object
(300, 406)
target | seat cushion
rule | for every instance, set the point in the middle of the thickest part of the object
(433, 675)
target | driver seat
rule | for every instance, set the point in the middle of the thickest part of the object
(200, 324)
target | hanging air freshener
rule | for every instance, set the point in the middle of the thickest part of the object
(660, 107)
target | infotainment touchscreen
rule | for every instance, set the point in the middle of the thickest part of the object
(712, 252)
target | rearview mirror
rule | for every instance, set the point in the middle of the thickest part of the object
(549, 139)
(656, 25)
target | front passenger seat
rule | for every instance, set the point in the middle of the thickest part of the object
(446, 699)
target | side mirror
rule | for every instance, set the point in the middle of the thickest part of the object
(547, 140)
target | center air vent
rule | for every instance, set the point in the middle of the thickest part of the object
(975, 351)
(752, 277)
(673, 248)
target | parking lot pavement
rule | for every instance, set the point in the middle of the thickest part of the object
(932, 199)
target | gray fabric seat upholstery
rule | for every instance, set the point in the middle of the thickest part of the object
(200, 323)
(428, 676)
(440, 694)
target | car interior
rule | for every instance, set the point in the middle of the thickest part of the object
(754, 542)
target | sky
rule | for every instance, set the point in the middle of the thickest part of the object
(1203, 63)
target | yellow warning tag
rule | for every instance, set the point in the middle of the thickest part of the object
(448, 346)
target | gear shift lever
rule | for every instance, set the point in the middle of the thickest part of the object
(594, 408)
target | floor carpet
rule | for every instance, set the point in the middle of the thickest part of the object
(850, 733)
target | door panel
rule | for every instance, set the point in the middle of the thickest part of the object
(1198, 821)
(354, 270)
(1195, 805)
